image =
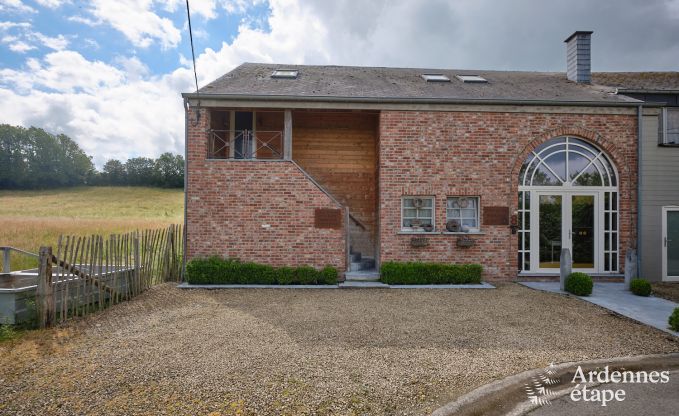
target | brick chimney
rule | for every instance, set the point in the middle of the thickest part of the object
(578, 57)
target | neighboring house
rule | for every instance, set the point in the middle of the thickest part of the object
(356, 166)
(658, 169)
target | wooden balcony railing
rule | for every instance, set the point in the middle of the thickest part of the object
(245, 144)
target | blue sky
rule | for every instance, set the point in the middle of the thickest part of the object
(109, 73)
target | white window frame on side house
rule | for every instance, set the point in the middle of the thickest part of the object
(669, 125)
(404, 217)
(460, 217)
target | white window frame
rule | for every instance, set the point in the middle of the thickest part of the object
(433, 214)
(477, 216)
(435, 78)
(665, 275)
(603, 228)
(663, 126)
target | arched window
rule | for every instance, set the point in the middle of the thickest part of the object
(568, 198)
(567, 161)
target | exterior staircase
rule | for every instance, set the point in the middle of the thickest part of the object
(362, 272)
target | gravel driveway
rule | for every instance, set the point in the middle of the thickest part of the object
(256, 351)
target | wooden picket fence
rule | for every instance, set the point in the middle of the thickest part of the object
(89, 273)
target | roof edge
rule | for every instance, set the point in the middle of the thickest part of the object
(406, 100)
(645, 91)
(578, 32)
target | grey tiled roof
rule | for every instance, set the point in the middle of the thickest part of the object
(382, 84)
(638, 81)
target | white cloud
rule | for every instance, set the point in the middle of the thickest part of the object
(52, 4)
(136, 20)
(9, 25)
(63, 71)
(204, 8)
(111, 111)
(24, 39)
(239, 6)
(18, 46)
(57, 43)
(15, 6)
(84, 20)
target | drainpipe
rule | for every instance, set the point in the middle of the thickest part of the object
(186, 181)
(640, 120)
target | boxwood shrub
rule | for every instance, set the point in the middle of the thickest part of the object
(640, 287)
(420, 273)
(674, 320)
(579, 284)
(216, 270)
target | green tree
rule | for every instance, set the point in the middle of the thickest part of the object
(114, 173)
(169, 171)
(140, 171)
(34, 158)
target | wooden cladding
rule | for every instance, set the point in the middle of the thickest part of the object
(328, 218)
(339, 150)
(496, 216)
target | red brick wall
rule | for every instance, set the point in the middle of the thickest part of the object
(480, 154)
(228, 201)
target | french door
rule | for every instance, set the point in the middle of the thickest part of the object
(670, 244)
(565, 219)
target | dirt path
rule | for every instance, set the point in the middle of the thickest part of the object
(304, 351)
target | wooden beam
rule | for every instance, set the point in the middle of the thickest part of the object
(287, 135)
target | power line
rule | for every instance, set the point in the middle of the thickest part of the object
(193, 53)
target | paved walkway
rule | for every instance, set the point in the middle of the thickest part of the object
(650, 310)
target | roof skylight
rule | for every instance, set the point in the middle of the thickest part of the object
(471, 78)
(284, 73)
(435, 78)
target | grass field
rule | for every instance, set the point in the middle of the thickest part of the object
(29, 219)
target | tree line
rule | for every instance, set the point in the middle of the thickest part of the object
(31, 158)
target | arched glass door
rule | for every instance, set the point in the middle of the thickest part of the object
(568, 198)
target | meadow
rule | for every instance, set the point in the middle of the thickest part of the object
(30, 219)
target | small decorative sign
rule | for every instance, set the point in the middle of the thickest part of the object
(496, 216)
(328, 218)
(465, 241)
(419, 242)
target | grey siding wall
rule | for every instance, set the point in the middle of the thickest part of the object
(659, 187)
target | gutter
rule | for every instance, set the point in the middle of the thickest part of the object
(640, 121)
(406, 100)
(186, 182)
(646, 91)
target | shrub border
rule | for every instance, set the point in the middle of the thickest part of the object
(215, 270)
(425, 273)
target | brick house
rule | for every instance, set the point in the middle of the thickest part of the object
(356, 166)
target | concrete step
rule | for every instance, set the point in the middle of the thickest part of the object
(352, 284)
(362, 276)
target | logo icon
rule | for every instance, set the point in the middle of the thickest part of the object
(538, 390)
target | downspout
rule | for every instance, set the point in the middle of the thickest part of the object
(186, 182)
(640, 120)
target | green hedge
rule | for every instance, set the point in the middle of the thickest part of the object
(640, 287)
(219, 271)
(419, 273)
(579, 284)
(674, 320)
